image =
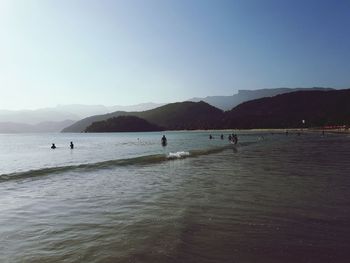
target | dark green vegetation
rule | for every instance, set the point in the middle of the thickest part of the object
(229, 102)
(123, 124)
(173, 116)
(317, 108)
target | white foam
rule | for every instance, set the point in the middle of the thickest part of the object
(175, 155)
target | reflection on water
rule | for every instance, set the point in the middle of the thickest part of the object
(282, 199)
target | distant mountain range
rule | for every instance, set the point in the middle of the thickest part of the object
(316, 107)
(229, 102)
(48, 126)
(56, 118)
(67, 112)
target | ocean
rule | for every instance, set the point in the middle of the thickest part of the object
(122, 197)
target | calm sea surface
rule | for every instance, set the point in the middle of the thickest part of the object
(122, 197)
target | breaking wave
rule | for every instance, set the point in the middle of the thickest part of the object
(141, 160)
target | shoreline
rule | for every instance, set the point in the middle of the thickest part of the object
(274, 130)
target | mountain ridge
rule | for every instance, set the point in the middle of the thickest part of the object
(228, 102)
(316, 107)
(178, 115)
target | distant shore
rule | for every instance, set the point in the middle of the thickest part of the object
(275, 130)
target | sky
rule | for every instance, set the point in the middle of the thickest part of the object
(127, 52)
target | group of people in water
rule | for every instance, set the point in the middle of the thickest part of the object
(233, 138)
(71, 145)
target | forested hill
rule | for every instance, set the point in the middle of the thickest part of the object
(173, 116)
(123, 124)
(317, 108)
(229, 102)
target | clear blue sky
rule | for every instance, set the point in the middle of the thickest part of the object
(128, 52)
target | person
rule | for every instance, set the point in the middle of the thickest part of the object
(230, 137)
(222, 136)
(235, 138)
(210, 137)
(71, 145)
(53, 146)
(164, 140)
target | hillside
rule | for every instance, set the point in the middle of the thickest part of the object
(229, 102)
(317, 108)
(81, 125)
(184, 116)
(123, 124)
(173, 116)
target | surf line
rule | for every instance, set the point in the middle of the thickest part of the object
(140, 160)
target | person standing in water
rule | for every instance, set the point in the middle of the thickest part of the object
(164, 140)
(53, 146)
(235, 139)
(71, 145)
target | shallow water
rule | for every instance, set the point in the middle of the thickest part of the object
(274, 198)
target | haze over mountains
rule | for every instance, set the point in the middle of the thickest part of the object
(46, 126)
(56, 118)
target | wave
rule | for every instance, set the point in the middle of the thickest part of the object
(141, 160)
(178, 155)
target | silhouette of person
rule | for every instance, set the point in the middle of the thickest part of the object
(210, 137)
(235, 138)
(53, 146)
(164, 140)
(71, 145)
(222, 136)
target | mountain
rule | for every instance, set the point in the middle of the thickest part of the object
(229, 102)
(173, 116)
(317, 108)
(123, 124)
(81, 125)
(184, 116)
(136, 107)
(49, 126)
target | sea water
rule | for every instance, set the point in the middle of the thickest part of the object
(122, 197)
